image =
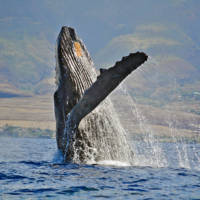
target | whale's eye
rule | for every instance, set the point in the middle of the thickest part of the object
(78, 49)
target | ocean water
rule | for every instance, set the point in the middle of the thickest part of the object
(32, 169)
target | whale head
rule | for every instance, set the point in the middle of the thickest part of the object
(75, 73)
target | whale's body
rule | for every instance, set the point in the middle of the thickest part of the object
(87, 128)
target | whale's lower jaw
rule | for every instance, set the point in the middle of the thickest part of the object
(87, 128)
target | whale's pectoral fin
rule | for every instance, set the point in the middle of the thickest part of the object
(107, 81)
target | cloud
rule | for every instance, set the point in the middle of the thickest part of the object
(152, 28)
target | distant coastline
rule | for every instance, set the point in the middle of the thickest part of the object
(15, 131)
(21, 132)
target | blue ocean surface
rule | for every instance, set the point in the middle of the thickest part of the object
(30, 169)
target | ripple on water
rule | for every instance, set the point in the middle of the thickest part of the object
(72, 190)
(33, 191)
(11, 177)
(35, 176)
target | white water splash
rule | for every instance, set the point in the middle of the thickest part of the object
(183, 150)
(148, 151)
(115, 163)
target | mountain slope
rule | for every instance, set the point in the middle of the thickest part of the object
(25, 62)
(170, 75)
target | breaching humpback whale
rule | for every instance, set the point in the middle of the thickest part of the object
(87, 128)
